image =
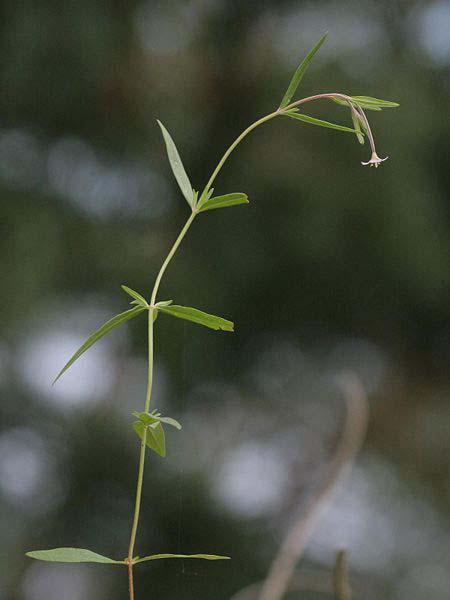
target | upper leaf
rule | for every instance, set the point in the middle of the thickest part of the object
(314, 121)
(357, 125)
(72, 555)
(104, 329)
(301, 69)
(138, 299)
(375, 102)
(366, 102)
(224, 201)
(198, 316)
(201, 556)
(177, 167)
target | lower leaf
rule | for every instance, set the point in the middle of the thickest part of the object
(72, 555)
(155, 438)
(199, 556)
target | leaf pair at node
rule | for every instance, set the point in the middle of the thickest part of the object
(141, 304)
(80, 555)
(206, 202)
(181, 312)
(365, 102)
(149, 426)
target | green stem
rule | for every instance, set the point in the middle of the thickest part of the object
(148, 394)
(170, 256)
(237, 141)
(151, 311)
(140, 479)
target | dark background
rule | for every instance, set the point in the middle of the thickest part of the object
(332, 266)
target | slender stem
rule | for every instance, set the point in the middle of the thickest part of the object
(130, 580)
(148, 394)
(138, 497)
(235, 143)
(170, 256)
(151, 312)
(140, 479)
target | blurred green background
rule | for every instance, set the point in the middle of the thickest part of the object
(332, 266)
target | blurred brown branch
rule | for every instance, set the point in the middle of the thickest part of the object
(283, 566)
(341, 582)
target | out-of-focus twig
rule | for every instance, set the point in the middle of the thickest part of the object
(341, 582)
(283, 566)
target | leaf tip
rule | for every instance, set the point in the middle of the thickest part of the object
(161, 126)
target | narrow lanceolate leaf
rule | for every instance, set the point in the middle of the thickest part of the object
(72, 555)
(200, 556)
(138, 299)
(375, 102)
(198, 316)
(366, 102)
(224, 201)
(357, 126)
(299, 73)
(104, 329)
(155, 438)
(177, 167)
(314, 121)
(343, 102)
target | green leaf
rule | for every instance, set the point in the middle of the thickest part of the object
(104, 329)
(375, 102)
(301, 69)
(206, 195)
(146, 418)
(366, 102)
(224, 201)
(138, 299)
(357, 126)
(164, 303)
(343, 102)
(155, 438)
(313, 121)
(155, 417)
(198, 316)
(170, 421)
(177, 167)
(201, 556)
(72, 555)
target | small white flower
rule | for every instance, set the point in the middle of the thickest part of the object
(375, 160)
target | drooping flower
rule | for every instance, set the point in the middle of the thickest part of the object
(375, 160)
